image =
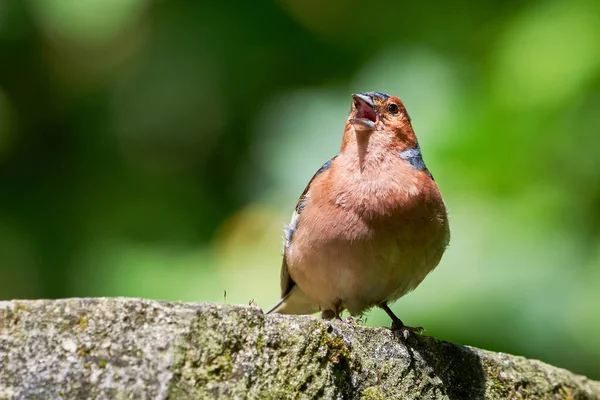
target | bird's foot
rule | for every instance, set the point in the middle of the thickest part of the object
(353, 320)
(398, 326)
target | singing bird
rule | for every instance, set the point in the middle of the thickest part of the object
(370, 225)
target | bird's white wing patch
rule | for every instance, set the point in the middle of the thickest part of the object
(288, 230)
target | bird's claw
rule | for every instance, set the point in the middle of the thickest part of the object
(353, 320)
(406, 330)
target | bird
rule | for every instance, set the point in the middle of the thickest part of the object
(370, 225)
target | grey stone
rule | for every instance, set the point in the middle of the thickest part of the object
(141, 349)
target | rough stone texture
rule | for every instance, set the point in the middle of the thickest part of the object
(131, 348)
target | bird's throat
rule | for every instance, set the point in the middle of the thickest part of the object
(362, 147)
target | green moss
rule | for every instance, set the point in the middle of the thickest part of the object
(121, 396)
(4, 317)
(260, 343)
(373, 393)
(496, 387)
(136, 352)
(82, 323)
(337, 349)
(532, 383)
(82, 351)
(102, 363)
(217, 369)
(566, 393)
(18, 306)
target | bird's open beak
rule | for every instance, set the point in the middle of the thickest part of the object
(366, 115)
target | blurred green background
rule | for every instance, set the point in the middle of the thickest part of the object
(156, 148)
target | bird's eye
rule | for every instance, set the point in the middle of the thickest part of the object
(393, 108)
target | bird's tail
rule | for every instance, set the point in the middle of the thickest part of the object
(295, 302)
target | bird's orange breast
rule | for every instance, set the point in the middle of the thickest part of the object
(370, 232)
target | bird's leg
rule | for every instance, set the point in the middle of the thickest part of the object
(334, 314)
(398, 325)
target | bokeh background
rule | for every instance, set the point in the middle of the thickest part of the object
(156, 148)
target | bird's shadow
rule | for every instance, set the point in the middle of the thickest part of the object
(459, 368)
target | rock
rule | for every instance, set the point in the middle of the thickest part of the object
(131, 348)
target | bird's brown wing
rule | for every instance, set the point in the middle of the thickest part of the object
(287, 283)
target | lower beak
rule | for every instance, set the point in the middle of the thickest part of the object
(363, 122)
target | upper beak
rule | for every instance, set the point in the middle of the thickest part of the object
(365, 115)
(363, 98)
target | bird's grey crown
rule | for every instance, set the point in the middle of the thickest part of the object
(378, 95)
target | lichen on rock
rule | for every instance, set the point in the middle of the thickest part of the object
(133, 348)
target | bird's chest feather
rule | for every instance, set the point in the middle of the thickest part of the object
(368, 236)
(391, 199)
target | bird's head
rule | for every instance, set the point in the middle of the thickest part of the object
(374, 114)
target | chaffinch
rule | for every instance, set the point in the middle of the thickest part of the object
(370, 225)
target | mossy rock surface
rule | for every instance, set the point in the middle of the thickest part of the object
(133, 348)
